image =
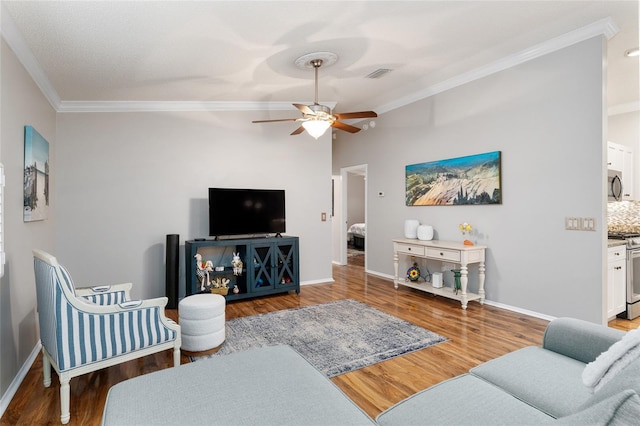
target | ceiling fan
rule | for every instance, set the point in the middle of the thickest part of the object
(317, 118)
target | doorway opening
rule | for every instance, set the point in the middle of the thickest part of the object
(354, 214)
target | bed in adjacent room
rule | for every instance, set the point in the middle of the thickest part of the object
(356, 234)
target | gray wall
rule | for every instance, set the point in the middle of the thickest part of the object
(22, 104)
(546, 116)
(355, 202)
(128, 179)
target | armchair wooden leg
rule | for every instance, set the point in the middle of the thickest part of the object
(176, 357)
(46, 369)
(65, 415)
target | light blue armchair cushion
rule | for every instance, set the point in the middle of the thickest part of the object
(549, 381)
(264, 386)
(463, 400)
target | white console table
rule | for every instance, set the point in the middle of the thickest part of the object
(446, 251)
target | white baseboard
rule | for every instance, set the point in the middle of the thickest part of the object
(380, 274)
(322, 281)
(488, 302)
(520, 310)
(17, 380)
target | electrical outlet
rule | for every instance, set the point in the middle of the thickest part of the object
(589, 223)
(571, 223)
(580, 223)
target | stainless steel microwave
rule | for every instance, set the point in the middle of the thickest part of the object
(614, 185)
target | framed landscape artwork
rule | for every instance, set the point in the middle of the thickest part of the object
(36, 176)
(474, 179)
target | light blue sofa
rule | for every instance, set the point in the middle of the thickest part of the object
(276, 386)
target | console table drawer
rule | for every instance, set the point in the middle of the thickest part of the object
(444, 254)
(410, 249)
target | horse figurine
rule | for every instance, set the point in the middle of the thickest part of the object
(202, 271)
(237, 264)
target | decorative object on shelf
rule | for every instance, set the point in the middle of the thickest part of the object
(411, 228)
(220, 286)
(425, 232)
(474, 179)
(413, 273)
(237, 264)
(466, 228)
(457, 286)
(220, 282)
(219, 290)
(436, 280)
(202, 271)
(236, 290)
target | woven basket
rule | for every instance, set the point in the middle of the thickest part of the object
(220, 290)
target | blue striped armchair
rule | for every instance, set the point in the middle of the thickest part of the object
(87, 329)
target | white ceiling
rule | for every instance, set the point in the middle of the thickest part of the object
(240, 54)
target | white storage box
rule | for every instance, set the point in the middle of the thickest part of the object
(436, 279)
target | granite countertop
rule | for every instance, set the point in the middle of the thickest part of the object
(614, 243)
(625, 227)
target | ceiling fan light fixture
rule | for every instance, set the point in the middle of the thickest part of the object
(316, 128)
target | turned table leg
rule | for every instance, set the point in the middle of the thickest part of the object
(481, 270)
(463, 284)
(395, 268)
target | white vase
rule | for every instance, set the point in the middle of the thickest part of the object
(425, 232)
(411, 228)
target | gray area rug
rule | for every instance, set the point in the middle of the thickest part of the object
(336, 337)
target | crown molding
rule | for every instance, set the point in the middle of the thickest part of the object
(18, 45)
(604, 27)
(150, 106)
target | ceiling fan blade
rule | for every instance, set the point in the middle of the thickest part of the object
(297, 131)
(305, 109)
(346, 127)
(274, 121)
(361, 114)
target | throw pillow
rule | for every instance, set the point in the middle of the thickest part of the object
(609, 363)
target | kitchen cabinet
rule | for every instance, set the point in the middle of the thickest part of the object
(614, 156)
(616, 280)
(620, 157)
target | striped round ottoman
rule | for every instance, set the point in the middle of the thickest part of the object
(201, 319)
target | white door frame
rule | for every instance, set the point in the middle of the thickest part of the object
(344, 174)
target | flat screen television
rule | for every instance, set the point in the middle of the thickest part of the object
(246, 211)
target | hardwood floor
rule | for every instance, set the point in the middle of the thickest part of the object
(476, 335)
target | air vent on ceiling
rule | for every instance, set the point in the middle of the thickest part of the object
(379, 73)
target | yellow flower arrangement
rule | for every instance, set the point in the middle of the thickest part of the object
(465, 227)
